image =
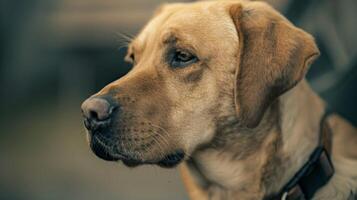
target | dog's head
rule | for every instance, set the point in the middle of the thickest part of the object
(194, 64)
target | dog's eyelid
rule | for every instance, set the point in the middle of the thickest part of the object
(186, 49)
(181, 58)
(127, 57)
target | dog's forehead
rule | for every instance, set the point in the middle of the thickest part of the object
(203, 20)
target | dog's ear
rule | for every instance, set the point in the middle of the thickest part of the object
(274, 56)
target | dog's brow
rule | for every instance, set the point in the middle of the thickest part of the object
(169, 38)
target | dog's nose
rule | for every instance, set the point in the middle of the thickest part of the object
(97, 112)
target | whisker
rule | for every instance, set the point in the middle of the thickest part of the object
(126, 36)
(165, 140)
(124, 39)
(161, 149)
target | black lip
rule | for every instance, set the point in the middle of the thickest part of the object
(169, 161)
(102, 152)
(132, 163)
(172, 160)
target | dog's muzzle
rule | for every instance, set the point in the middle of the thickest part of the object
(99, 115)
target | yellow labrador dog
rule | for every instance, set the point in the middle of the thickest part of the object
(219, 87)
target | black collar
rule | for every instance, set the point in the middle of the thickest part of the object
(316, 172)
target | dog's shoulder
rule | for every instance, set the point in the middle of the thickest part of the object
(343, 184)
(344, 137)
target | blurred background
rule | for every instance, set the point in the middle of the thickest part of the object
(56, 53)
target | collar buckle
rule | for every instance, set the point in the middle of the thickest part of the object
(315, 174)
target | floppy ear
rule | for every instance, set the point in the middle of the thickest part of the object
(274, 56)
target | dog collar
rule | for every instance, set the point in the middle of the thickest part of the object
(316, 172)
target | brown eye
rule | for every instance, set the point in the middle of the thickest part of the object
(132, 57)
(183, 56)
(182, 59)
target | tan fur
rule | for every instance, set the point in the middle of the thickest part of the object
(243, 114)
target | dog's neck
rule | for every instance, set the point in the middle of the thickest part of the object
(255, 163)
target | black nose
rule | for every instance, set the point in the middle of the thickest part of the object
(97, 113)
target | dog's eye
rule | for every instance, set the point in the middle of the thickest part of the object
(183, 59)
(132, 58)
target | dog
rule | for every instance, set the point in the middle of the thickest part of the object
(218, 87)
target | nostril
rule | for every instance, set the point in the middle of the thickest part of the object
(93, 115)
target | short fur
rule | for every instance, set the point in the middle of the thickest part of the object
(244, 115)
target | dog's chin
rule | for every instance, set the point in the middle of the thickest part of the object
(101, 152)
(170, 161)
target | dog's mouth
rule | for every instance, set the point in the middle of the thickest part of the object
(169, 161)
(107, 153)
(102, 151)
(172, 160)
